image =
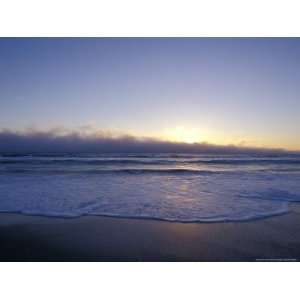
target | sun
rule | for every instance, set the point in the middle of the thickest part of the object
(183, 134)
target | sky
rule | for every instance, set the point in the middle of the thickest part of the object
(240, 91)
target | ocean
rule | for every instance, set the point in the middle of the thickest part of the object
(172, 187)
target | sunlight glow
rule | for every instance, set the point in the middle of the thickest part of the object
(183, 134)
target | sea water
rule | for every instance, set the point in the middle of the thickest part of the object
(173, 187)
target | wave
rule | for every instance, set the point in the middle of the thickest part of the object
(215, 219)
(95, 162)
(84, 161)
(115, 171)
(247, 161)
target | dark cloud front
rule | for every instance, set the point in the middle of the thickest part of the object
(50, 142)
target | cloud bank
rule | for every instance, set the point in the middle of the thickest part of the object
(75, 142)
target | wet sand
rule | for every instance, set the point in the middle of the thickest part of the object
(93, 238)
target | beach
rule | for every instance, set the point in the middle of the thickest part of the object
(154, 207)
(95, 238)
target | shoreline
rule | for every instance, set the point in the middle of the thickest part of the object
(292, 205)
(213, 221)
(105, 238)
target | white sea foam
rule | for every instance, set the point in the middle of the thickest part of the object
(204, 193)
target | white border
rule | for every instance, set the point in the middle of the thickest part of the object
(149, 281)
(149, 18)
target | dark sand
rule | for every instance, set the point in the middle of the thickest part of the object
(93, 238)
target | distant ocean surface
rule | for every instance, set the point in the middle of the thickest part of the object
(174, 187)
